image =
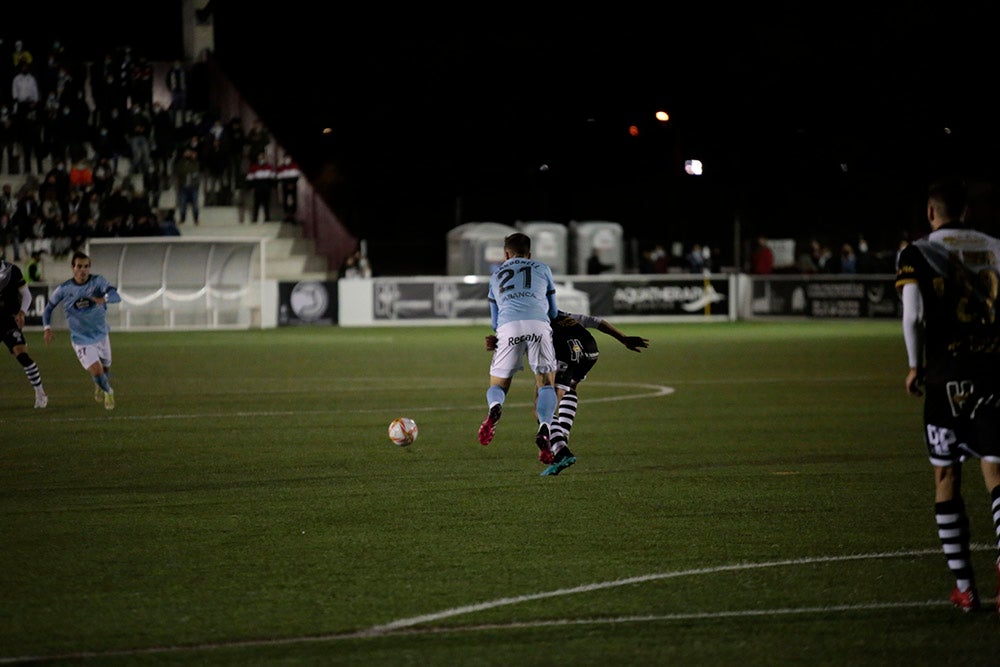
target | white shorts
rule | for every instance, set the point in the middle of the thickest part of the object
(524, 337)
(91, 352)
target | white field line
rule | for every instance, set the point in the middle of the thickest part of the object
(651, 391)
(407, 626)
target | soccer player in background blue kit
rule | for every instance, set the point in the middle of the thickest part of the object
(522, 298)
(85, 298)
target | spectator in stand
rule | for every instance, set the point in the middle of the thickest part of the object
(8, 202)
(59, 237)
(49, 202)
(139, 128)
(29, 133)
(81, 175)
(356, 265)
(595, 266)
(848, 261)
(867, 263)
(115, 210)
(59, 178)
(112, 97)
(762, 258)
(117, 124)
(163, 140)
(104, 177)
(258, 140)
(24, 88)
(21, 55)
(696, 259)
(187, 180)
(243, 191)
(30, 229)
(77, 129)
(214, 161)
(33, 269)
(141, 220)
(125, 62)
(237, 153)
(75, 203)
(101, 83)
(53, 132)
(8, 139)
(152, 184)
(8, 237)
(823, 258)
(48, 75)
(24, 219)
(260, 176)
(177, 84)
(659, 258)
(288, 174)
(141, 85)
(75, 231)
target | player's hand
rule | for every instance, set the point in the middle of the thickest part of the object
(914, 382)
(491, 343)
(48, 336)
(19, 319)
(635, 343)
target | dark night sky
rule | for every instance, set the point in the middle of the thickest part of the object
(426, 108)
(432, 110)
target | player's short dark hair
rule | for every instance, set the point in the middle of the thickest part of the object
(518, 244)
(952, 194)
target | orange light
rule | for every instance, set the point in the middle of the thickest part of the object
(633, 130)
(662, 116)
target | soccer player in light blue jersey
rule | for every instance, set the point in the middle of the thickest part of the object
(522, 298)
(85, 298)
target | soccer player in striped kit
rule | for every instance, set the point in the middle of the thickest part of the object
(949, 282)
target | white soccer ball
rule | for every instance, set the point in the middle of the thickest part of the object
(403, 431)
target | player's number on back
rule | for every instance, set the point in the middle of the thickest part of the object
(506, 279)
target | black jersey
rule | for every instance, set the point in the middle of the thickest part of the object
(958, 273)
(576, 349)
(11, 282)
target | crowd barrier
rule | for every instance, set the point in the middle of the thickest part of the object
(217, 285)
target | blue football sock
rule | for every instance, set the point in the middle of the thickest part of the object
(102, 382)
(495, 394)
(546, 404)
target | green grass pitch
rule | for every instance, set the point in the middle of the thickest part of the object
(752, 493)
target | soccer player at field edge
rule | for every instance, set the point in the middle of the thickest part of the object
(15, 300)
(85, 298)
(949, 282)
(522, 298)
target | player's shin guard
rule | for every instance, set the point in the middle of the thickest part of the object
(953, 531)
(30, 370)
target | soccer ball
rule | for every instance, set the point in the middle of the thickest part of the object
(403, 431)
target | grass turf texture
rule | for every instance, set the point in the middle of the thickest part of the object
(243, 505)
